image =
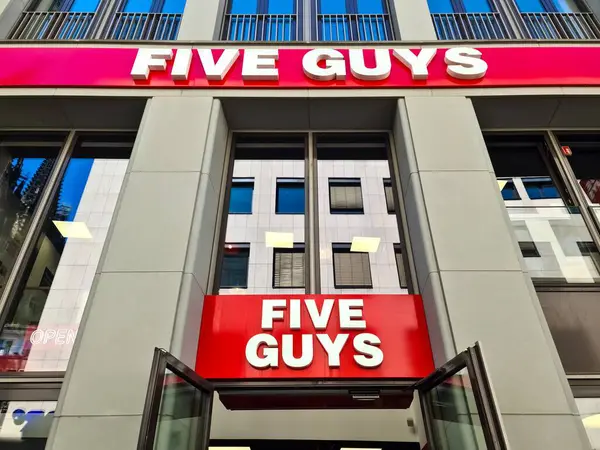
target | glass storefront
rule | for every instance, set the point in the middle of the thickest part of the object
(52, 286)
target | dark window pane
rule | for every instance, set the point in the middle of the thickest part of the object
(290, 197)
(58, 275)
(540, 188)
(345, 196)
(288, 268)
(240, 201)
(509, 191)
(350, 269)
(529, 249)
(234, 273)
(400, 266)
(389, 196)
(24, 172)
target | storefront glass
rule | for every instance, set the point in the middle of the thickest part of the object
(44, 315)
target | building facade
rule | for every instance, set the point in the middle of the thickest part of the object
(124, 203)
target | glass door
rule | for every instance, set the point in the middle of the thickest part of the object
(458, 406)
(178, 407)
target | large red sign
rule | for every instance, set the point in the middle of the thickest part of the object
(292, 68)
(322, 336)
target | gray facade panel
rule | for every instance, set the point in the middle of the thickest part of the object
(482, 287)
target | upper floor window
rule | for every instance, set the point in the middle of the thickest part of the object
(285, 20)
(389, 196)
(262, 20)
(76, 19)
(345, 196)
(240, 198)
(290, 196)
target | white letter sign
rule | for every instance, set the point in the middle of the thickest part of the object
(335, 67)
(260, 64)
(217, 71)
(465, 63)
(148, 59)
(296, 345)
(416, 63)
(382, 69)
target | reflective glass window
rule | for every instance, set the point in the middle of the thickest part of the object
(44, 315)
(290, 196)
(240, 197)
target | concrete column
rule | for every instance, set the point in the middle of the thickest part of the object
(470, 275)
(413, 19)
(10, 10)
(154, 270)
(201, 20)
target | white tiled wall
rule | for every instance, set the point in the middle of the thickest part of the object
(251, 228)
(77, 267)
(375, 222)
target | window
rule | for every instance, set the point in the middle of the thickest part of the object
(330, 20)
(234, 273)
(288, 267)
(529, 249)
(26, 163)
(540, 188)
(52, 288)
(240, 198)
(262, 20)
(345, 196)
(508, 190)
(351, 270)
(389, 195)
(400, 266)
(290, 196)
(459, 6)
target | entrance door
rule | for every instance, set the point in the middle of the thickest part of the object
(458, 407)
(178, 407)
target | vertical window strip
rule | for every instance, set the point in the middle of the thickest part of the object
(389, 196)
(400, 266)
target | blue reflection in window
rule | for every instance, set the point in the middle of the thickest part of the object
(173, 6)
(540, 188)
(441, 7)
(84, 5)
(71, 188)
(480, 6)
(243, 7)
(370, 7)
(459, 6)
(333, 7)
(240, 198)
(138, 6)
(534, 6)
(509, 192)
(290, 196)
(281, 7)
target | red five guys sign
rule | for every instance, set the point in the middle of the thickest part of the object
(319, 336)
(298, 68)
